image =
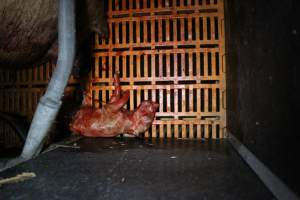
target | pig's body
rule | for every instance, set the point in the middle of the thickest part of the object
(112, 119)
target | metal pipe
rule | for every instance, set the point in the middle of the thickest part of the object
(50, 103)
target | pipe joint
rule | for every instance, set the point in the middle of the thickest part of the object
(50, 102)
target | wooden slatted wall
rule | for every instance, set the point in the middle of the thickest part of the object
(20, 91)
(170, 51)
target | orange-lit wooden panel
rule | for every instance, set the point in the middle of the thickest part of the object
(170, 51)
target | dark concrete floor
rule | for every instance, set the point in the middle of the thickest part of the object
(136, 169)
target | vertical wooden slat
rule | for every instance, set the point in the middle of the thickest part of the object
(159, 4)
(204, 29)
(214, 100)
(168, 65)
(168, 30)
(154, 131)
(198, 131)
(104, 95)
(183, 100)
(160, 30)
(176, 103)
(138, 65)
(183, 65)
(117, 33)
(146, 65)
(152, 5)
(205, 64)
(181, 3)
(160, 61)
(184, 135)
(147, 134)
(175, 68)
(124, 66)
(190, 30)
(152, 31)
(138, 38)
(191, 65)
(161, 131)
(212, 28)
(131, 100)
(131, 68)
(124, 29)
(130, 32)
(182, 29)
(206, 131)
(161, 98)
(214, 132)
(175, 30)
(145, 29)
(191, 102)
(138, 97)
(168, 129)
(168, 99)
(145, 4)
(123, 4)
(191, 131)
(96, 68)
(146, 94)
(213, 65)
(206, 100)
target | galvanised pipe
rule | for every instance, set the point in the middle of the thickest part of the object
(50, 103)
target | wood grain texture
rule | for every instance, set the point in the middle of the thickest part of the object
(185, 50)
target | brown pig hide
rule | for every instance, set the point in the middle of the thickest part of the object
(28, 29)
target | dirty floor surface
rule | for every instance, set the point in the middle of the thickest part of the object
(137, 169)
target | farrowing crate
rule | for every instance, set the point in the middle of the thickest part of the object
(171, 52)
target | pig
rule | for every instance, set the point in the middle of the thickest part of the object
(112, 119)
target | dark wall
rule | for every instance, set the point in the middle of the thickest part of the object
(262, 77)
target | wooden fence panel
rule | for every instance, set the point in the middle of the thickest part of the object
(20, 91)
(170, 51)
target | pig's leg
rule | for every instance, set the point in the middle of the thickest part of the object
(117, 92)
(87, 100)
(117, 105)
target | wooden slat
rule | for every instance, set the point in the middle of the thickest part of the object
(183, 100)
(138, 31)
(191, 65)
(184, 135)
(168, 99)
(146, 82)
(168, 129)
(145, 29)
(146, 65)
(191, 131)
(191, 102)
(206, 100)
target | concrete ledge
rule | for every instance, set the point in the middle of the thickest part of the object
(272, 182)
